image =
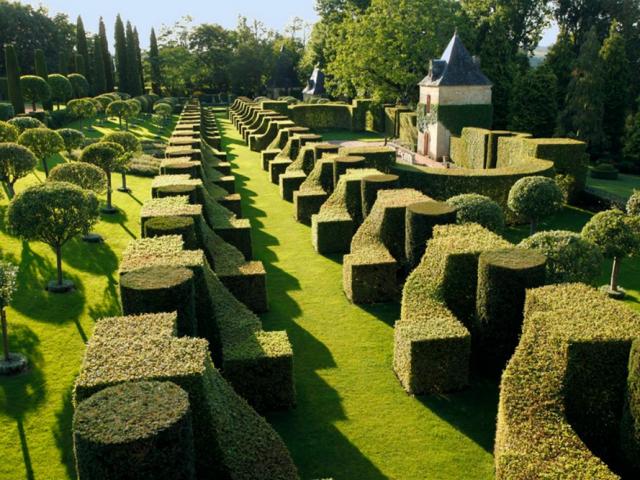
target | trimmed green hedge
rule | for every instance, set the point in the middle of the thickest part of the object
(321, 116)
(230, 439)
(408, 128)
(421, 218)
(380, 158)
(314, 191)
(562, 394)
(135, 430)
(370, 271)
(432, 344)
(371, 185)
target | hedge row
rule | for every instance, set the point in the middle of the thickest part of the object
(568, 397)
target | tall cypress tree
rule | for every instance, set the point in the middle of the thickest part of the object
(106, 57)
(100, 79)
(41, 71)
(154, 62)
(13, 78)
(83, 49)
(616, 70)
(121, 56)
(133, 75)
(81, 68)
(136, 39)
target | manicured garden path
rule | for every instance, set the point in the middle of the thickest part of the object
(353, 420)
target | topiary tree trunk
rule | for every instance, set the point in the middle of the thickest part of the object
(58, 249)
(5, 335)
(615, 270)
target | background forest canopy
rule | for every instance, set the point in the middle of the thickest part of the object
(586, 87)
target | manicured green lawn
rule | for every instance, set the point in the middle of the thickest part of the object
(353, 420)
(622, 187)
(35, 408)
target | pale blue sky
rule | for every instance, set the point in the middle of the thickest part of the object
(146, 14)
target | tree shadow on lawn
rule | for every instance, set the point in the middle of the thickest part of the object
(24, 393)
(62, 433)
(119, 218)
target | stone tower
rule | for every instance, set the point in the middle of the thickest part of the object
(455, 94)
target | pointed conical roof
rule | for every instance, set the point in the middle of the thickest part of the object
(455, 67)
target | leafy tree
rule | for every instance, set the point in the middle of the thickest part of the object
(560, 59)
(120, 109)
(615, 67)
(99, 76)
(135, 107)
(631, 149)
(13, 79)
(212, 46)
(533, 107)
(163, 110)
(16, 162)
(8, 132)
(570, 258)
(81, 108)
(43, 72)
(26, 123)
(72, 138)
(79, 84)
(107, 156)
(133, 73)
(582, 116)
(121, 56)
(8, 287)
(80, 67)
(35, 88)
(53, 213)
(633, 204)
(82, 174)
(535, 198)
(131, 146)
(154, 62)
(61, 88)
(43, 143)
(106, 57)
(83, 49)
(617, 237)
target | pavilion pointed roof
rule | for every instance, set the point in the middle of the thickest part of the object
(456, 67)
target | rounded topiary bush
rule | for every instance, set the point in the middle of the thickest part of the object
(419, 222)
(82, 174)
(633, 204)
(135, 430)
(26, 123)
(6, 111)
(183, 226)
(604, 171)
(535, 198)
(570, 258)
(371, 185)
(72, 138)
(8, 132)
(475, 208)
(161, 289)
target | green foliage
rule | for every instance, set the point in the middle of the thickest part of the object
(16, 162)
(26, 123)
(72, 138)
(61, 88)
(8, 283)
(535, 198)
(81, 108)
(136, 429)
(82, 174)
(614, 233)
(128, 141)
(163, 110)
(106, 155)
(6, 111)
(106, 57)
(475, 208)
(8, 132)
(134, 83)
(135, 106)
(82, 50)
(42, 142)
(631, 149)
(52, 212)
(154, 62)
(35, 88)
(13, 78)
(533, 106)
(570, 258)
(633, 204)
(79, 84)
(560, 59)
(99, 75)
(321, 116)
(120, 109)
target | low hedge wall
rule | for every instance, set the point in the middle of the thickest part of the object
(370, 271)
(564, 396)
(432, 343)
(321, 116)
(314, 191)
(230, 439)
(380, 158)
(296, 172)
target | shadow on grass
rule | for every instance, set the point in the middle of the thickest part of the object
(120, 218)
(62, 433)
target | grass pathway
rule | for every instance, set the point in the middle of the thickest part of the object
(353, 420)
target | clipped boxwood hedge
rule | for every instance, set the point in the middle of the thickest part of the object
(135, 430)
(421, 218)
(321, 116)
(563, 392)
(314, 191)
(378, 157)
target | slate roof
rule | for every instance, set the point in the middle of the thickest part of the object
(456, 67)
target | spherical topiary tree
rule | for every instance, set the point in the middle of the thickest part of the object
(79, 84)
(73, 138)
(16, 162)
(107, 156)
(10, 363)
(35, 88)
(8, 132)
(163, 110)
(26, 123)
(81, 108)
(120, 109)
(633, 204)
(474, 208)
(43, 143)
(84, 175)
(617, 236)
(570, 258)
(131, 145)
(53, 213)
(61, 88)
(135, 107)
(105, 100)
(535, 198)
